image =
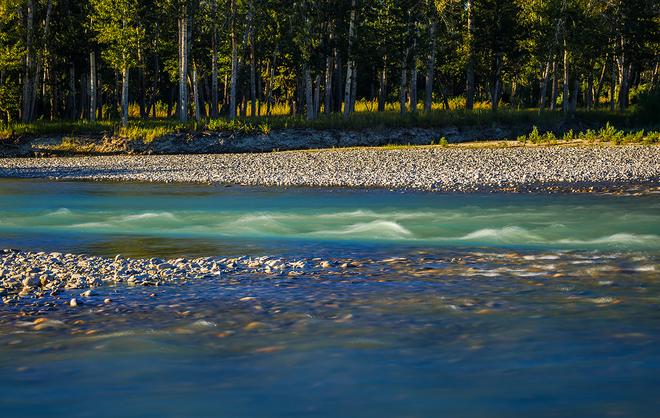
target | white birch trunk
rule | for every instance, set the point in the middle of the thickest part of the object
(309, 100)
(234, 63)
(351, 62)
(124, 95)
(214, 61)
(183, 66)
(92, 87)
(430, 68)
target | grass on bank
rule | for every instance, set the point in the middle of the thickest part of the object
(607, 134)
(148, 130)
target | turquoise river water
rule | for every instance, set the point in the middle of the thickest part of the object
(466, 305)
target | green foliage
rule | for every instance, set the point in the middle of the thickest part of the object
(607, 134)
(117, 28)
(648, 105)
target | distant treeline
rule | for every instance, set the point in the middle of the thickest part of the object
(198, 59)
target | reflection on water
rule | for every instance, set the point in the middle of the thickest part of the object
(410, 327)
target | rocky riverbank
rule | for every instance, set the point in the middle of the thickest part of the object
(232, 142)
(462, 169)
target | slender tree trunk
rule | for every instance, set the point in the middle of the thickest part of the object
(183, 65)
(590, 89)
(72, 105)
(253, 61)
(351, 62)
(309, 100)
(601, 82)
(413, 88)
(353, 88)
(327, 106)
(124, 96)
(469, 100)
(576, 93)
(514, 92)
(234, 63)
(382, 87)
(92, 87)
(430, 65)
(613, 86)
(195, 89)
(555, 86)
(624, 75)
(544, 87)
(317, 96)
(225, 91)
(29, 74)
(402, 89)
(565, 101)
(214, 60)
(271, 80)
(84, 97)
(339, 83)
(144, 108)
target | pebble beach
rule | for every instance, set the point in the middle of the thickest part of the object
(569, 168)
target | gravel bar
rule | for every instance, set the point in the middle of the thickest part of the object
(453, 169)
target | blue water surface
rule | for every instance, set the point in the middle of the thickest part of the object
(458, 305)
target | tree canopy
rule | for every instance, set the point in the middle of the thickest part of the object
(207, 58)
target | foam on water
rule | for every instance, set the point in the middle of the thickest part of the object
(380, 229)
(558, 222)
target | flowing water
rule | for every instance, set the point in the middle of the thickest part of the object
(455, 305)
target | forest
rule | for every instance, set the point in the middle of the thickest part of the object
(204, 60)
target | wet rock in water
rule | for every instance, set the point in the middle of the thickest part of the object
(73, 303)
(252, 326)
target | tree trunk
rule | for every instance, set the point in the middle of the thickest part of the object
(576, 92)
(624, 83)
(253, 63)
(327, 106)
(402, 90)
(353, 88)
(590, 89)
(84, 97)
(195, 88)
(214, 59)
(613, 86)
(144, 109)
(317, 96)
(339, 83)
(544, 87)
(183, 65)
(495, 93)
(92, 87)
(469, 100)
(555, 86)
(413, 88)
(124, 96)
(382, 87)
(72, 105)
(350, 69)
(41, 58)
(430, 67)
(271, 80)
(234, 63)
(565, 102)
(29, 75)
(309, 100)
